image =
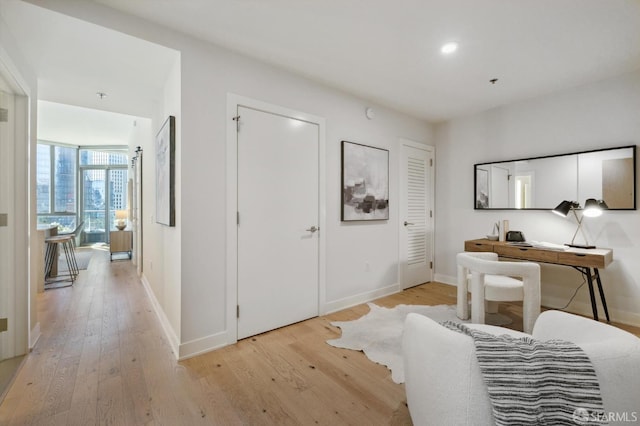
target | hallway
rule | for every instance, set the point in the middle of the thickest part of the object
(101, 356)
(103, 359)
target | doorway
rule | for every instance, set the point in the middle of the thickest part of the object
(276, 200)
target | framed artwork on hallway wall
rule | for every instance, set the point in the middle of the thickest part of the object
(365, 182)
(165, 173)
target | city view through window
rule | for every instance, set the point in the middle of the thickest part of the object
(83, 185)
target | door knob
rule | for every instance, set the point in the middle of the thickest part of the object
(408, 223)
(313, 229)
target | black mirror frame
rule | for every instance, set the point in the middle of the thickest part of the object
(475, 176)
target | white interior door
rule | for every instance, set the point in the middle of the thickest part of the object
(499, 194)
(416, 215)
(278, 213)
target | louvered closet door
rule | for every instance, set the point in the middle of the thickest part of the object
(416, 217)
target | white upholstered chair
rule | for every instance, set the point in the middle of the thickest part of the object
(494, 281)
(444, 384)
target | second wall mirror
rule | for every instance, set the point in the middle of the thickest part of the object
(541, 183)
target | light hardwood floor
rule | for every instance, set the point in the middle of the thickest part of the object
(103, 359)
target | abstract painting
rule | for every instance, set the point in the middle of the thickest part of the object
(365, 182)
(165, 173)
(482, 189)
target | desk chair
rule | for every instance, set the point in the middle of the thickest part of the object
(493, 281)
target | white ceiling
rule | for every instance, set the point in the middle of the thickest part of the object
(80, 126)
(74, 59)
(388, 51)
(383, 51)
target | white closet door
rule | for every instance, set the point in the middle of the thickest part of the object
(416, 227)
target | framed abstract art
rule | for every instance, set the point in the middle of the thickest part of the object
(365, 182)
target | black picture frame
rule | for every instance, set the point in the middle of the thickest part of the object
(165, 147)
(365, 182)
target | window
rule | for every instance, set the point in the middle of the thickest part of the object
(56, 178)
(102, 190)
(103, 157)
(104, 186)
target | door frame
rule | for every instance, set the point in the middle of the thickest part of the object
(233, 101)
(24, 329)
(431, 200)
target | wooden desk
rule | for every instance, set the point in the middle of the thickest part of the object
(586, 261)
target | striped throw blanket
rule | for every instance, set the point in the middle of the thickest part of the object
(533, 382)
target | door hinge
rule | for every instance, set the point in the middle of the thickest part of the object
(430, 213)
(237, 311)
(237, 218)
(4, 219)
(431, 162)
(4, 324)
(237, 120)
(431, 265)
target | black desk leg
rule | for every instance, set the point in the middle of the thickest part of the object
(591, 293)
(604, 302)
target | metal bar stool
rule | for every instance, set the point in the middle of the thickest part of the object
(66, 241)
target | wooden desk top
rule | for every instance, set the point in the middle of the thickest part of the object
(587, 258)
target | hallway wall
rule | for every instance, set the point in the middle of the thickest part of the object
(193, 254)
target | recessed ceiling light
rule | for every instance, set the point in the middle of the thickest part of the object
(449, 48)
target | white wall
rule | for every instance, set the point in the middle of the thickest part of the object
(162, 249)
(595, 116)
(208, 74)
(192, 288)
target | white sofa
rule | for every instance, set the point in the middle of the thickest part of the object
(444, 384)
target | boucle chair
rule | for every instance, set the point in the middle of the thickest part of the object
(495, 281)
(444, 384)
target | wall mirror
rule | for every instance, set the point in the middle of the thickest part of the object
(541, 183)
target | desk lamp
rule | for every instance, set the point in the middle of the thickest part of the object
(121, 219)
(592, 208)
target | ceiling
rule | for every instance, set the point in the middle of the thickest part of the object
(384, 52)
(74, 60)
(388, 51)
(81, 126)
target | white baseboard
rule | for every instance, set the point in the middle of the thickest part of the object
(583, 308)
(164, 321)
(203, 345)
(358, 299)
(34, 336)
(446, 279)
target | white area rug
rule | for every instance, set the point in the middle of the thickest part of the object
(379, 333)
(83, 257)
